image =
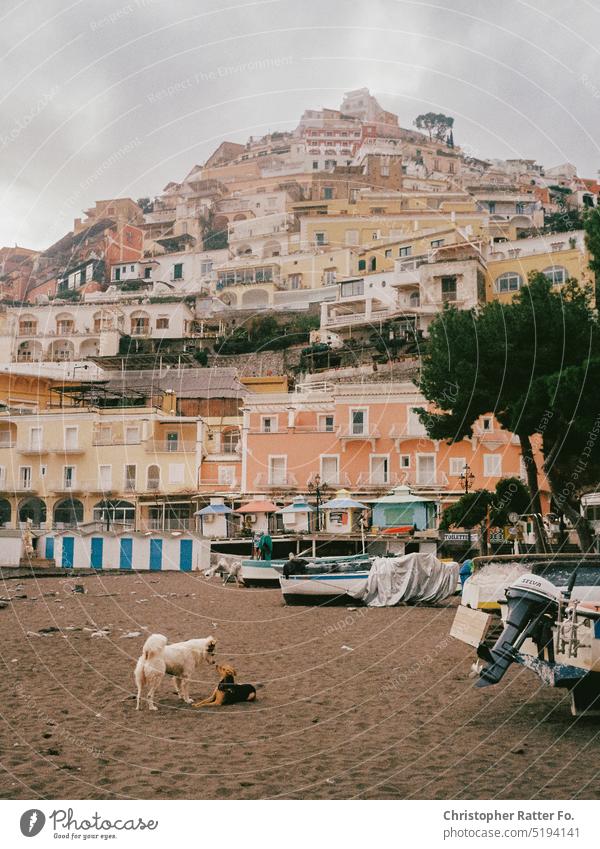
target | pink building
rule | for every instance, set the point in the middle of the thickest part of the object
(365, 438)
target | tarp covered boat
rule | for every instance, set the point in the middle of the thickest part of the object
(410, 579)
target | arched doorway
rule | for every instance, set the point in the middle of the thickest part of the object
(255, 299)
(5, 513)
(34, 509)
(68, 513)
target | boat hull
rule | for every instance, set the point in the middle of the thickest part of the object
(311, 588)
(267, 572)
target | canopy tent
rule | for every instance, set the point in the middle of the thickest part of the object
(258, 507)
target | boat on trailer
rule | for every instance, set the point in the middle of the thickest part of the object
(550, 624)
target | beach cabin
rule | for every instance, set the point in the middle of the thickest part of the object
(258, 516)
(179, 551)
(215, 520)
(343, 514)
(296, 516)
(403, 512)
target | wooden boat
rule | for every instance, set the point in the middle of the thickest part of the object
(326, 586)
(268, 572)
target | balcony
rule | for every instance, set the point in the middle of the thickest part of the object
(169, 523)
(162, 446)
(65, 450)
(424, 480)
(406, 432)
(32, 450)
(263, 481)
(366, 481)
(355, 434)
(68, 488)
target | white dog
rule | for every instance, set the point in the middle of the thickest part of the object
(181, 660)
(150, 668)
(228, 569)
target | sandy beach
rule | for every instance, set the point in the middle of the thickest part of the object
(364, 703)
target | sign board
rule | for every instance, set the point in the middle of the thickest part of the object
(470, 626)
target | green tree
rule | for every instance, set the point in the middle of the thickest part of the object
(499, 359)
(145, 204)
(591, 224)
(213, 237)
(436, 125)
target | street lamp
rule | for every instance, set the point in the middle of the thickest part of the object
(318, 489)
(466, 478)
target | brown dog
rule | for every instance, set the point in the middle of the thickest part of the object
(227, 692)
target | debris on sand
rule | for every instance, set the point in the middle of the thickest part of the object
(79, 588)
(102, 633)
(50, 629)
(131, 634)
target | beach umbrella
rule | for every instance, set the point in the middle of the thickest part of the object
(213, 510)
(344, 504)
(258, 507)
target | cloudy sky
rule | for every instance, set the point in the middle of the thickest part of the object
(107, 98)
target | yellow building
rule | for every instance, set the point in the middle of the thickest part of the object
(559, 256)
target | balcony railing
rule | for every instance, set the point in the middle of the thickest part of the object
(264, 481)
(424, 480)
(32, 449)
(159, 446)
(169, 523)
(367, 432)
(376, 481)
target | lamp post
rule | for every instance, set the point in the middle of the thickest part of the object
(466, 478)
(318, 489)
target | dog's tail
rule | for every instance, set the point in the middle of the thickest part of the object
(154, 646)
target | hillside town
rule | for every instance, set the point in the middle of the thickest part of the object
(229, 357)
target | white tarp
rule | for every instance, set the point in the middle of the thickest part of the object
(413, 579)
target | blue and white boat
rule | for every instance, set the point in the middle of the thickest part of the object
(342, 577)
(268, 572)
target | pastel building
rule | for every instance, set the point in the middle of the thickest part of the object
(367, 439)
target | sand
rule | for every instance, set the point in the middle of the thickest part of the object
(370, 703)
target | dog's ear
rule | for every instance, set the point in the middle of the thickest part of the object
(233, 671)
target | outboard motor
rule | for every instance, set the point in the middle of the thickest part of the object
(533, 604)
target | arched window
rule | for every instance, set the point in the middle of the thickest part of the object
(65, 324)
(27, 325)
(509, 282)
(140, 323)
(68, 513)
(556, 274)
(415, 299)
(153, 478)
(373, 263)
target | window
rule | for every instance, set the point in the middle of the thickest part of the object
(328, 193)
(426, 469)
(509, 282)
(162, 323)
(487, 423)
(132, 434)
(178, 271)
(147, 273)
(456, 466)
(330, 469)
(326, 424)
(65, 326)
(492, 465)
(35, 438)
(153, 478)
(68, 477)
(448, 289)
(206, 266)
(103, 435)
(268, 424)
(315, 165)
(116, 273)
(230, 441)
(415, 426)
(71, 439)
(556, 274)
(105, 478)
(414, 299)
(373, 263)
(405, 461)
(405, 251)
(27, 327)
(379, 469)
(140, 325)
(130, 474)
(388, 253)
(295, 281)
(172, 441)
(329, 278)
(437, 243)
(352, 288)
(362, 264)
(358, 422)
(25, 477)
(226, 475)
(176, 472)
(320, 238)
(492, 206)
(375, 235)
(277, 470)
